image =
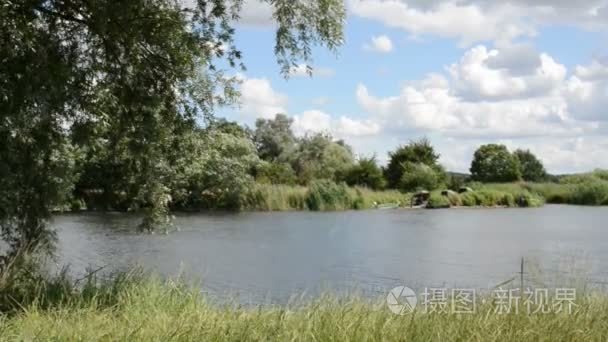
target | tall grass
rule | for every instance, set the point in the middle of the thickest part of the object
(583, 189)
(503, 194)
(267, 197)
(154, 310)
(321, 195)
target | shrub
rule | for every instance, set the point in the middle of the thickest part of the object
(508, 200)
(438, 201)
(601, 174)
(590, 193)
(365, 173)
(527, 199)
(469, 199)
(454, 199)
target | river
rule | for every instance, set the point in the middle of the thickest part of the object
(273, 256)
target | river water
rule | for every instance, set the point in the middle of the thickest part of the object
(273, 256)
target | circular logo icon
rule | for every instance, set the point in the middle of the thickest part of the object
(401, 300)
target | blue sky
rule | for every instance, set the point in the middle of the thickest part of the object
(529, 74)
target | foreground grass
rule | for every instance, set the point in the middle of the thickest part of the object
(152, 310)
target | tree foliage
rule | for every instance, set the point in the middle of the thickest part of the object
(420, 176)
(274, 138)
(132, 77)
(532, 169)
(415, 152)
(366, 173)
(494, 163)
(318, 156)
(215, 172)
(275, 173)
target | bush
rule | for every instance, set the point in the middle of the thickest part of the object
(590, 193)
(420, 177)
(526, 199)
(469, 199)
(454, 199)
(438, 201)
(327, 195)
(508, 200)
(365, 173)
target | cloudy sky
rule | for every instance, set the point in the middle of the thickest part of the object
(525, 73)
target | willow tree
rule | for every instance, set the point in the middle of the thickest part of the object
(130, 75)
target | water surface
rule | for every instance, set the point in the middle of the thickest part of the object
(272, 256)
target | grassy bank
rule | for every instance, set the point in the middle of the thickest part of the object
(328, 196)
(324, 195)
(583, 189)
(319, 196)
(487, 196)
(151, 310)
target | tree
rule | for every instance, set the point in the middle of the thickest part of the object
(366, 173)
(138, 73)
(215, 172)
(494, 163)
(417, 152)
(274, 137)
(532, 169)
(275, 173)
(319, 157)
(419, 176)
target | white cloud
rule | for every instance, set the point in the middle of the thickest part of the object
(587, 92)
(347, 127)
(597, 70)
(477, 101)
(256, 13)
(316, 121)
(301, 70)
(570, 155)
(466, 22)
(381, 44)
(311, 121)
(501, 74)
(528, 104)
(260, 100)
(471, 21)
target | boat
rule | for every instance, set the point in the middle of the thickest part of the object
(387, 206)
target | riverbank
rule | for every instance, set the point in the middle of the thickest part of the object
(320, 196)
(151, 310)
(329, 196)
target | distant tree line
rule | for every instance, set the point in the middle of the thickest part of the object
(213, 167)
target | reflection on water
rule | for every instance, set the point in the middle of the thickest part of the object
(274, 255)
